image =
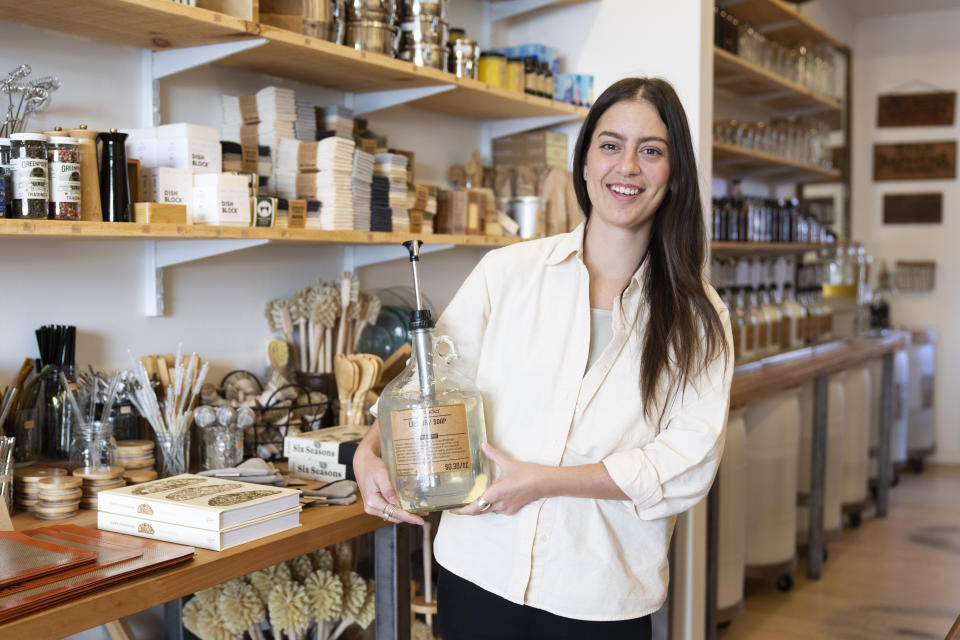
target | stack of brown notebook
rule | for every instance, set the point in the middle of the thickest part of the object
(43, 567)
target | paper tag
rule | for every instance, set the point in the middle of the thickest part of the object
(431, 440)
(307, 156)
(368, 145)
(27, 425)
(298, 214)
(248, 109)
(422, 194)
(249, 158)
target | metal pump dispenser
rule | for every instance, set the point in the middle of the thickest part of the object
(421, 327)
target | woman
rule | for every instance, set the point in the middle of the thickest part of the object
(605, 363)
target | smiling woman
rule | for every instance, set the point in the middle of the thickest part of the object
(596, 449)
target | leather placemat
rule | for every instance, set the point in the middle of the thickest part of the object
(24, 557)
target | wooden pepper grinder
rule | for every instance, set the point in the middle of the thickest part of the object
(90, 208)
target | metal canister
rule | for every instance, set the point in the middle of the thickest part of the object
(422, 8)
(370, 35)
(425, 30)
(454, 34)
(325, 19)
(463, 58)
(493, 69)
(371, 10)
(528, 212)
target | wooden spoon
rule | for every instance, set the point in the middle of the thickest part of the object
(369, 370)
(347, 374)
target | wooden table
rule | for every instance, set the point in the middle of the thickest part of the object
(779, 373)
(320, 527)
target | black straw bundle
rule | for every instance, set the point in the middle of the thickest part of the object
(57, 344)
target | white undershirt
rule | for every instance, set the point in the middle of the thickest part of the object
(601, 333)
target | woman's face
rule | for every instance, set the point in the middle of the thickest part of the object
(627, 170)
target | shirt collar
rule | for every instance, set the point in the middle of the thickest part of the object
(572, 244)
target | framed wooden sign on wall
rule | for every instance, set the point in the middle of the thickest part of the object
(915, 161)
(916, 109)
(913, 208)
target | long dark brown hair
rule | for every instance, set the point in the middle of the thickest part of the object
(684, 332)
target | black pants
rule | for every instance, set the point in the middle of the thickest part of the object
(467, 612)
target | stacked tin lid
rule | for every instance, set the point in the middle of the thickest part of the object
(26, 485)
(423, 33)
(59, 497)
(97, 479)
(370, 25)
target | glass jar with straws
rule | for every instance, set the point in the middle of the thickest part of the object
(171, 424)
(91, 400)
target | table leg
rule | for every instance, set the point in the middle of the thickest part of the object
(883, 449)
(392, 574)
(818, 472)
(713, 553)
(173, 619)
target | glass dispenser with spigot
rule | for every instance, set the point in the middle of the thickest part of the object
(431, 421)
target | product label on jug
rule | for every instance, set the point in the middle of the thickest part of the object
(431, 440)
(29, 178)
(65, 181)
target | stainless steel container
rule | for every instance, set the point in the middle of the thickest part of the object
(426, 55)
(371, 10)
(528, 212)
(369, 35)
(463, 58)
(426, 30)
(325, 19)
(418, 8)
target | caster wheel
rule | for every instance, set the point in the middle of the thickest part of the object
(855, 519)
(785, 582)
(895, 480)
(723, 625)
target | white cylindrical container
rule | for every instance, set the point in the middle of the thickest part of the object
(856, 392)
(920, 435)
(833, 473)
(528, 212)
(772, 428)
(732, 536)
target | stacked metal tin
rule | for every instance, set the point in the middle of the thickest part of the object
(370, 27)
(423, 33)
(325, 19)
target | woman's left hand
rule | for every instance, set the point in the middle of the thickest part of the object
(518, 484)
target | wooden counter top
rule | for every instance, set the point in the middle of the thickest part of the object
(320, 527)
(788, 370)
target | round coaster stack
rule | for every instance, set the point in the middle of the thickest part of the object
(26, 487)
(59, 497)
(136, 457)
(97, 479)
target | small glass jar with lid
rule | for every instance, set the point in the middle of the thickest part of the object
(28, 161)
(93, 445)
(64, 163)
(6, 174)
(516, 76)
(493, 68)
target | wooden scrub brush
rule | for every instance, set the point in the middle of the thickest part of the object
(289, 609)
(242, 609)
(325, 593)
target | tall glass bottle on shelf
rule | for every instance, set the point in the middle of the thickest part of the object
(774, 318)
(744, 326)
(791, 332)
(761, 322)
(431, 421)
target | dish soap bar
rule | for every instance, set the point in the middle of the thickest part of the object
(431, 421)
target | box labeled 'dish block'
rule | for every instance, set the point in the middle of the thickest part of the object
(221, 199)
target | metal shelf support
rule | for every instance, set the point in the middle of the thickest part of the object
(167, 63)
(500, 128)
(377, 100)
(513, 8)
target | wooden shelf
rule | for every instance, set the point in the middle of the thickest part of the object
(148, 24)
(161, 25)
(138, 231)
(779, 21)
(720, 249)
(743, 78)
(320, 527)
(731, 161)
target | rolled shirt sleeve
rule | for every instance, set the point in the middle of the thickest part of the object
(672, 473)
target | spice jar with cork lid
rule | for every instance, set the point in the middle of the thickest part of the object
(28, 159)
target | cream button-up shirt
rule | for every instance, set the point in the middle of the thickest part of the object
(521, 321)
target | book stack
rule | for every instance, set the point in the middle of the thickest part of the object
(324, 454)
(334, 119)
(381, 216)
(393, 166)
(361, 181)
(325, 168)
(213, 513)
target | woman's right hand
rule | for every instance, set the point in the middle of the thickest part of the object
(374, 482)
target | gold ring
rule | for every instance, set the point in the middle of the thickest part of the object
(388, 511)
(483, 505)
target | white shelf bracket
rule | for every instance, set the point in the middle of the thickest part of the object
(167, 63)
(500, 128)
(368, 254)
(160, 254)
(377, 100)
(512, 8)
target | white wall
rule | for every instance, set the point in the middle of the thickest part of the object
(915, 52)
